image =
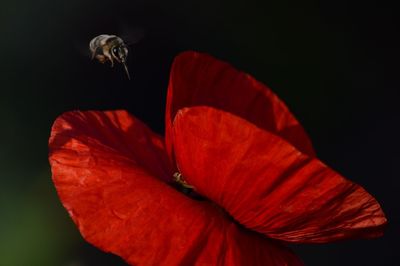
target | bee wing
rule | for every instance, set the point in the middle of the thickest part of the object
(82, 48)
(131, 35)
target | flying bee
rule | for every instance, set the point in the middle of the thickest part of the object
(109, 48)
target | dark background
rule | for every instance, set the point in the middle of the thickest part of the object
(335, 64)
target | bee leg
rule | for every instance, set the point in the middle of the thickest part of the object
(101, 58)
(97, 52)
(109, 57)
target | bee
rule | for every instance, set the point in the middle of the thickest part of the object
(178, 178)
(109, 48)
(181, 185)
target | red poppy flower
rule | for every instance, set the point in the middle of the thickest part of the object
(237, 144)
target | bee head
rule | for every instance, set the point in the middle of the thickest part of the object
(119, 52)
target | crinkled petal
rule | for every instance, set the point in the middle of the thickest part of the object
(267, 184)
(198, 79)
(106, 166)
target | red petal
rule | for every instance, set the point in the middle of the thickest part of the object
(199, 79)
(103, 165)
(268, 185)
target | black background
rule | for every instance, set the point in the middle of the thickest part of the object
(335, 64)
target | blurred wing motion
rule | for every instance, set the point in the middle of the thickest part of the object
(81, 46)
(131, 35)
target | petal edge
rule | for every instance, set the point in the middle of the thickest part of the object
(266, 184)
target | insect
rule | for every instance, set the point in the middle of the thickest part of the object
(178, 178)
(181, 185)
(109, 48)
